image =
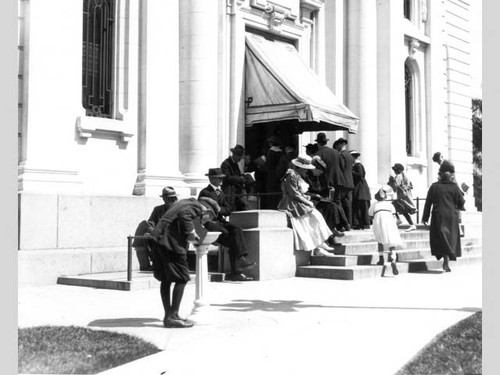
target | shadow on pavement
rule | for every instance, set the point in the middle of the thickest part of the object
(126, 322)
(241, 305)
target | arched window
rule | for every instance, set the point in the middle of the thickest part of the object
(98, 52)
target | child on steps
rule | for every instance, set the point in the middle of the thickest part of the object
(384, 227)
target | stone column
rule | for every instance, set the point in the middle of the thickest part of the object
(362, 80)
(198, 88)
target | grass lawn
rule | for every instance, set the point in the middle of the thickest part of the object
(76, 350)
(457, 350)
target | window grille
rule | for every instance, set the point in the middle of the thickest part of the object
(98, 51)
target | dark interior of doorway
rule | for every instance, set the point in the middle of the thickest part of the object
(256, 136)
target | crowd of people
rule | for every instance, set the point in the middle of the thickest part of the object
(323, 192)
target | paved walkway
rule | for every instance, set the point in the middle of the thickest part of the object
(288, 326)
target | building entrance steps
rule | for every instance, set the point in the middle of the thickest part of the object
(357, 256)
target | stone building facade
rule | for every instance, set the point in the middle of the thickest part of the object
(119, 98)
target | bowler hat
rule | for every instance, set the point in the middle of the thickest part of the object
(321, 137)
(340, 141)
(168, 191)
(238, 150)
(210, 204)
(397, 167)
(303, 161)
(215, 172)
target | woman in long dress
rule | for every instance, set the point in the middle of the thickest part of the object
(310, 230)
(443, 203)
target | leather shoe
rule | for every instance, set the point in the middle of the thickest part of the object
(336, 233)
(238, 277)
(177, 323)
(243, 263)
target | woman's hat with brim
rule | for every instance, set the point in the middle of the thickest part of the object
(210, 205)
(167, 192)
(215, 172)
(303, 161)
(354, 153)
(238, 150)
(318, 163)
(340, 141)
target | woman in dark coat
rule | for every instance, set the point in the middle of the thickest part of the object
(446, 200)
(361, 195)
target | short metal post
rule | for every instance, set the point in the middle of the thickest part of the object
(129, 258)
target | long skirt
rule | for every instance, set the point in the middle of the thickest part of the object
(309, 230)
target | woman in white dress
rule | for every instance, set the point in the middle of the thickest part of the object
(310, 230)
(385, 228)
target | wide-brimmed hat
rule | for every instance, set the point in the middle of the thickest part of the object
(215, 172)
(340, 141)
(318, 162)
(447, 166)
(355, 153)
(321, 137)
(397, 167)
(210, 204)
(303, 161)
(381, 194)
(238, 150)
(168, 191)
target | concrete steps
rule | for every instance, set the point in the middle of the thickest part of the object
(357, 256)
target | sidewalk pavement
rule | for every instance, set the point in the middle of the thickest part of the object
(286, 326)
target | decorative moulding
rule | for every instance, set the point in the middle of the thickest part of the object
(96, 127)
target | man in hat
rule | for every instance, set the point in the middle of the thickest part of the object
(331, 157)
(234, 182)
(346, 164)
(231, 235)
(169, 243)
(169, 196)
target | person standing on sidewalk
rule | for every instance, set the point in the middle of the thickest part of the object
(384, 228)
(231, 235)
(171, 237)
(446, 200)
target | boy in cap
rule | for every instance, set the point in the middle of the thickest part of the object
(170, 240)
(231, 235)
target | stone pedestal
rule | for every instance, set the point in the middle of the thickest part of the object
(202, 313)
(269, 243)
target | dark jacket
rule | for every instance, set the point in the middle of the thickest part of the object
(178, 223)
(221, 199)
(361, 189)
(333, 171)
(346, 163)
(233, 183)
(158, 212)
(444, 200)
